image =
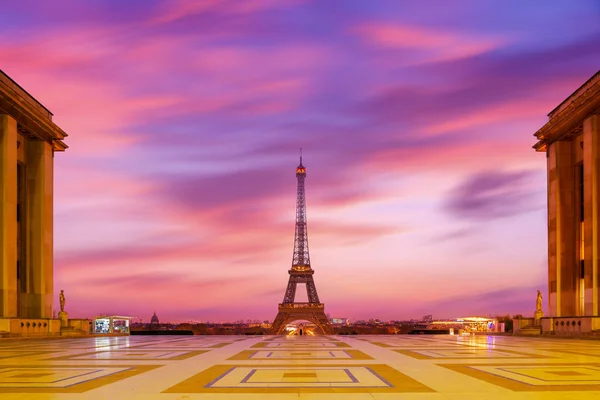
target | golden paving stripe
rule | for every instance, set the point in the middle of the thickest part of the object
(219, 345)
(468, 352)
(300, 375)
(591, 352)
(78, 357)
(421, 343)
(513, 384)
(314, 339)
(380, 344)
(247, 355)
(395, 381)
(300, 345)
(181, 346)
(19, 353)
(78, 387)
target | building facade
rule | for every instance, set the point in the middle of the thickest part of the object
(571, 141)
(28, 140)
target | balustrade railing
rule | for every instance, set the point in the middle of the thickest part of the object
(301, 305)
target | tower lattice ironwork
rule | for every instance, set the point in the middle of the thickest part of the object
(301, 272)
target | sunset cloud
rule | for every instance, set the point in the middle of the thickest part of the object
(179, 9)
(425, 44)
(493, 194)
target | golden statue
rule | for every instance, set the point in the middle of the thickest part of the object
(61, 298)
(538, 302)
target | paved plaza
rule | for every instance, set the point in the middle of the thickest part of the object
(283, 367)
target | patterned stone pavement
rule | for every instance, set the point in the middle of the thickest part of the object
(320, 367)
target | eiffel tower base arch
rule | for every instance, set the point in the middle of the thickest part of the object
(289, 312)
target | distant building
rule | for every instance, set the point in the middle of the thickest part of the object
(340, 321)
(154, 319)
(428, 318)
(468, 324)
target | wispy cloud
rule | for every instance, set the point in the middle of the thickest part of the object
(493, 194)
(425, 44)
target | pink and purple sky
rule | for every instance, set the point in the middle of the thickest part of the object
(185, 117)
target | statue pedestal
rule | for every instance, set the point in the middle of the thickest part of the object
(63, 316)
(538, 317)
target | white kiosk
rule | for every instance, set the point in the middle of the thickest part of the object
(111, 324)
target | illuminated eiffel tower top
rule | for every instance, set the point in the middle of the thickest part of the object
(301, 260)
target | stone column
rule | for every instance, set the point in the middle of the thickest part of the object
(591, 179)
(40, 165)
(553, 281)
(8, 216)
(561, 231)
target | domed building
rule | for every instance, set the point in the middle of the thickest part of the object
(154, 319)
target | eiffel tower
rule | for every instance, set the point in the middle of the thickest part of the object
(301, 272)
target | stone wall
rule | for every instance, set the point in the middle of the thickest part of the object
(571, 326)
(29, 327)
(43, 327)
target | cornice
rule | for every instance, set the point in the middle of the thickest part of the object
(32, 119)
(567, 117)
